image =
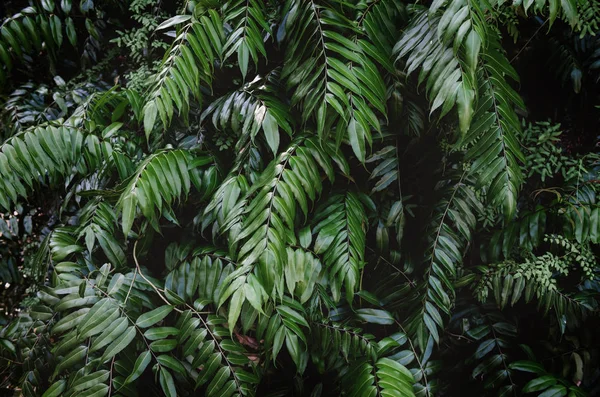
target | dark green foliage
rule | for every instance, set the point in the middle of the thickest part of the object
(247, 198)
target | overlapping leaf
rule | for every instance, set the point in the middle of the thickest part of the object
(46, 154)
(188, 64)
(450, 230)
(160, 181)
(263, 222)
(340, 227)
(332, 73)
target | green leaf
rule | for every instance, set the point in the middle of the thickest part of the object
(117, 328)
(271, 131)
(56, 389)
(554, 391)
(150, 112)
(48, 5)
(243, 57)
(539, 384)
(167, 384)
(160, 333)
(484, 348)
(129, 207)
(115, 284)
(527, 366)
(71, 359)
(119, 344)
(139, 367)
(89, 381)
(171, 363)
(375, 316)
(464, 101)
(71, 32)
(356, 134)
(235, 307)
(472, 46)
(176, 20)
(152, 317)
(97, 391)
(163, 345)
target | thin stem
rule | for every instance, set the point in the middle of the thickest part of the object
(131, 286)
(110, 381)
(528, 41)
(192, 309)
(412, 347)
(154, 287)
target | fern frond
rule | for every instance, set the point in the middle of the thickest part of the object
(250, 22)
(446, 49)
(534, 279)
(30, 31)
(254, 107)
(187, 65)
(340, 227)
(450, 230)
(98, 224)
(495, 153)
(161, 180)
(199, 279)
(492, 337)
(526, 232)
(332, 75)
(224, 201)
(302, 271)
(379, 21)
(386, 172)
(333, 340)
(96, 332)
(567, 9)
(387, 377)
(199, 282)
(47, 154)
(263, 223)
(37, 30)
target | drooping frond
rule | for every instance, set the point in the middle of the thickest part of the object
(302, 271)
(446, 50)
(263, 222)
(495, 153)
(453, 221)
(98, 224)
(103, 108)
(386, 172)
(492, 343)
(449, 51)
(379, 20)
(552, 8)
(161, 180)
(525, 232)
(250, 20)
(47, 154)
(333, 76)
(39, 30)
(198, 283)
(223, 202)
(96, 330)
(340, 229)
(386, 377)
(254, 107)
(187, 66)
(333, 341)
(199, 278)
(536, 278)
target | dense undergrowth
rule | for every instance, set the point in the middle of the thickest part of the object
(299, 198)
